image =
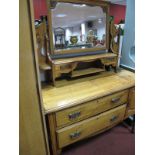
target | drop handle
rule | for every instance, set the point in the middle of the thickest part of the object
(75, 134)
(115, 100)
(113, 118)
(74, 115)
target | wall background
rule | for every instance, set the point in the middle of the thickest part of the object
(39, 8)
(118, 11)
(128, 47)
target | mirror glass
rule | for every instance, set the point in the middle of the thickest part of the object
(78, 26)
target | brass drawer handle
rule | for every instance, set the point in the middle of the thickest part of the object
(75, 135)
(115, 100)
(74, 115)
(113, 118)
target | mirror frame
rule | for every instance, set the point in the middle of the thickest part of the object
(103, 4)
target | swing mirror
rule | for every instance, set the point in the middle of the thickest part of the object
(78, 27)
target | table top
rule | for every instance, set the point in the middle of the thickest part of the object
(55, 99)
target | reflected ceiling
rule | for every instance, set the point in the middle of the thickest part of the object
(63, 14)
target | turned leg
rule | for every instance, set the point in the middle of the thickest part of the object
(115, 69)
(108, 68)
(59, 152)
(48, 75)
(133, 125)
(53, 77)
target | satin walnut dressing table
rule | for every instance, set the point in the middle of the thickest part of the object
(84, 109)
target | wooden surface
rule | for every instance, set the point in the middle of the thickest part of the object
(31, 131)
(88, 71)
(41, 42)
(71, 65)
(90, 126)
(37, 70)
(83, 58)
(83, 111)
(114, 33)
(94, 2)
(129, 112)
(78, 50)
(131, 106)
(55, 99)
(65, 81)
(44, 66)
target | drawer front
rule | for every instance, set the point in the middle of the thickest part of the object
(108, 61)
(83, 129)
(83, 111)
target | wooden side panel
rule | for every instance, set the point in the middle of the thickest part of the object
(52, 127)
(131, 105)
(32, 138)
(132, 98)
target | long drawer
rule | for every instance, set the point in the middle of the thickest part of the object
(75, 132)
(85, 110)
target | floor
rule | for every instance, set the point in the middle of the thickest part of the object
(117, 141)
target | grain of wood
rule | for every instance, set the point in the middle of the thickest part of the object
(55, 99)
(91, 108)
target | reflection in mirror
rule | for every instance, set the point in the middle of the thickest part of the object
(78, 26)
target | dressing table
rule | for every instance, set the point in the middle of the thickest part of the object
(68, 19)
(85, 106)
(84, 109)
